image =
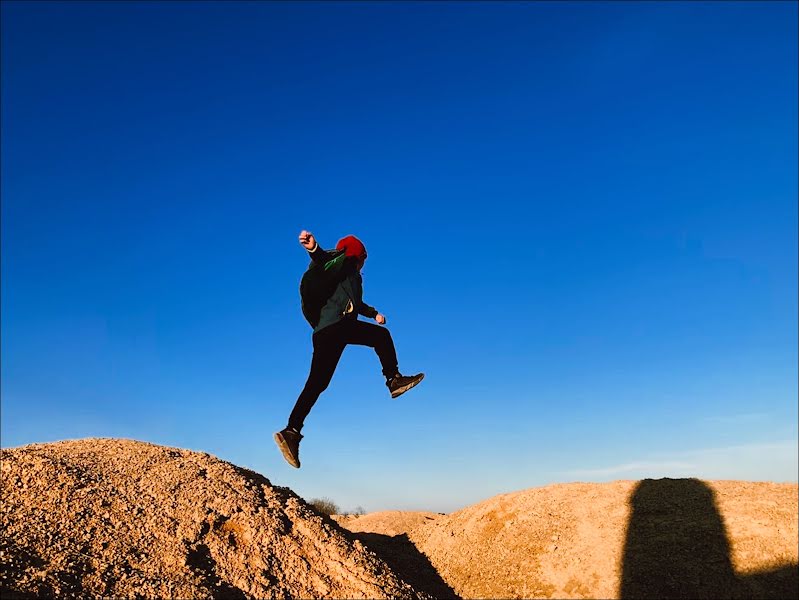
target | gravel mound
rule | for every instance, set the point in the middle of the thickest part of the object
(666, 538)
(389, 522)
(107, 517)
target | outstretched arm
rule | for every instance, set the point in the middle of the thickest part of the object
(308, 241)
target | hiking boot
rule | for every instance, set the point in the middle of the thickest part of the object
(288, 441)
(399, 384)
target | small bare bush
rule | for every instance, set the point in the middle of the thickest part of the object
(325, 506)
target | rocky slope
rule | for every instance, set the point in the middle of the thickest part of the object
(104, 517)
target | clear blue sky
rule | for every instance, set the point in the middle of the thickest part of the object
(581, 222)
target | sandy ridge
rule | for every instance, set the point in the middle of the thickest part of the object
(105, 517)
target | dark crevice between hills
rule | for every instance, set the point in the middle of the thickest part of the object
(402, 556)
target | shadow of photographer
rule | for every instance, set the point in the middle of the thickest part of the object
(677, 547)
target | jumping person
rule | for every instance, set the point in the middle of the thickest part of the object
(336, 326)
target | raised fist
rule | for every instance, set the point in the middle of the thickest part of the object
(307, 240)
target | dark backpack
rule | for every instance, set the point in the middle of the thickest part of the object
(317, 285)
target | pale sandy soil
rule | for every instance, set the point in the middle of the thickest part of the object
(121, 518)
(666, 538)
(389, 522)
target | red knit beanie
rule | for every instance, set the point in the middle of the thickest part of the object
(352, 246)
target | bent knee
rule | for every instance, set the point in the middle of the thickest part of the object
(316, 387)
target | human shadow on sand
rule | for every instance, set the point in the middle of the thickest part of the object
(400, 553)
(677, 547)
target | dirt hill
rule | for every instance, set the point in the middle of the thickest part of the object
(103, 517)
(666, 538)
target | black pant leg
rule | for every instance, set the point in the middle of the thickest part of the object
(377, 337)
(328, 344)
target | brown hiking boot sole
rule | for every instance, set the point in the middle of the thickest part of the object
(405, 388)
(284, 450)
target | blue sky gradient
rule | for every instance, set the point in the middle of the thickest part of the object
(581, 221)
